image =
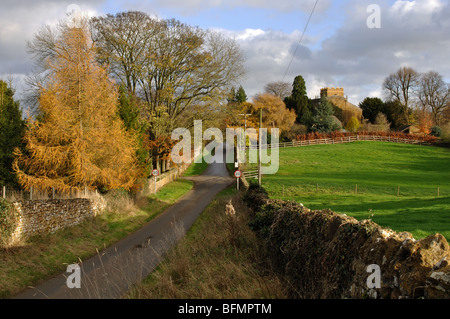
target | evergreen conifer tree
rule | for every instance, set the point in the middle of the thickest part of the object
(322, 119)
(299, 101)
(12, 129)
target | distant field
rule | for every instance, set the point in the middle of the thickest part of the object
(396, 185)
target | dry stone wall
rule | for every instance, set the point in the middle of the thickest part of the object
(164, 179)
(322, 254)
(47, 216)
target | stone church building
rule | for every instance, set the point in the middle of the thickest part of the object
(336, 96)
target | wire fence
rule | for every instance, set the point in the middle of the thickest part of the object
(250, 171)
(280, 189)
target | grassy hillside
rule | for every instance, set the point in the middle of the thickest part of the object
(394, 184)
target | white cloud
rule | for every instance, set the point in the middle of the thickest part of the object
(402, 7)
(194, 6)
(413, 33)
(248, 34)
(354, 57)
(268, 54)
(19, 20)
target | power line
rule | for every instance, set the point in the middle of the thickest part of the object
(298, 44)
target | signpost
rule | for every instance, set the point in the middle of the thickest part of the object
(237, 174)
(155, 173)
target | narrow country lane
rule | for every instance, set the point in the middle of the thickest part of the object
(113, 271)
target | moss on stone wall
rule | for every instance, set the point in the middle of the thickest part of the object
(322, 254)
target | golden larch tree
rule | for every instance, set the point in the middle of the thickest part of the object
(79, 141)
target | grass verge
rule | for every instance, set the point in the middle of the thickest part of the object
(43, 256)
(197, 168)
(219, 258)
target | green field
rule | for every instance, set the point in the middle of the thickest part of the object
(403, 187)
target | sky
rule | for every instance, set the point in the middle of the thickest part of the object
(338, 49)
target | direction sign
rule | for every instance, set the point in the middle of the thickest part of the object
(155, 172)
(237, 174)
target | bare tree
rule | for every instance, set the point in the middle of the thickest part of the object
(170, 65)
(123, 44)
(279, 88)
(178, 71)
(42, 49)
(400, 85)
(434, 93)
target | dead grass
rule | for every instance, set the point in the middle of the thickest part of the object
(218, 259)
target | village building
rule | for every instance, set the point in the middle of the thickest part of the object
(336, 96)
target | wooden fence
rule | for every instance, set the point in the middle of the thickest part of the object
(252, 173)
(340, 140)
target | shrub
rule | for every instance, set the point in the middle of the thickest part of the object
(446, 133)
(296, 129)
(436, 131)
(352, 125)
(255, 197)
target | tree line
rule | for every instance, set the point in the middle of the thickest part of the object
(411, 97)
(308, 115)
(107, 93)
(284, 106)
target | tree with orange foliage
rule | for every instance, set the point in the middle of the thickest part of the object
(275, 114)
(424, 121)
(79, 141)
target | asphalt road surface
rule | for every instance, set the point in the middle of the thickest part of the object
(113, 271)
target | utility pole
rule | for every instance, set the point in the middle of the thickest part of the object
(259, 148)
(245, 120)
(245, 127)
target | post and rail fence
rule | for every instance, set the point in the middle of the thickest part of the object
(341, 140)
(249, 172)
